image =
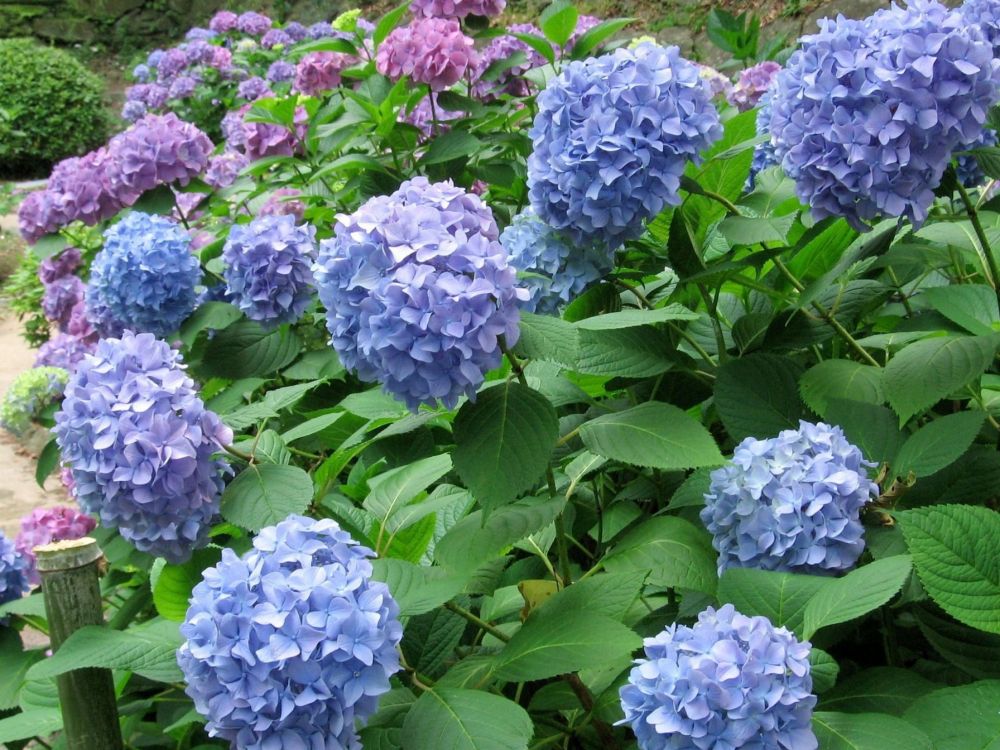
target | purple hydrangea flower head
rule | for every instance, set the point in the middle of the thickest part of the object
(182, 87)
(282, 203)
(63, 350)
(132, 110)
(199, 34)
(47, 525)
(81, 189)
(141, 73)
(152, 95)
(222, 59)
(457, 8)
(223, 21)
(752, 84)
(280, 71)
(429, 50)
(510, 81)
(298, 615)
(422, 116)
(320, 30)
(612, 137)
(728, 681)
(318, 72)
(154, 57)
(718, 84)
(157, 150)
(56, 266)
(13, 572)
(296, 31)
(268, 268)
(79, 324)
(59, 299)
(174, 60)
(36, 216)
(986, 15)
(763, 153)
(232, 128)
(254, 24)
(967, 168)
(275, 38)
(418, 291)
(198, 51)
(224, 168)
(262, 139)
(254, 88)
(29, 395)
(866, 114)
(554, 270)
(791, 503)
(140, 443)
(144, 277)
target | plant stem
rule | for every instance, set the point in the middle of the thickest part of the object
(587, 701)
(633, 289)
(238, 453)
(713, 312)
(899, 287)
(478, 622)
(977, 225)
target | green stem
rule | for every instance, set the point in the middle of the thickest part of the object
(899, 287)
(238, 453)
(991, 261)
(721, 199)
(633, 289)
(133, 605)
(478, 622)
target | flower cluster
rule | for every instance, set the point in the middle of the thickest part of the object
(13, 572)
(47, 525)
(967, 168)
(429, 50)
(418, 291)
(268, 268)
(866, 114)
(317, 72)
(752, 85)
(280, 71)
(31, 392)
(63, 292)
(260, 139)
(255, 24)
(253, 89)
(511, 80)
(986, 15)
(728, 681)
(144, 277)
(224, 168)
(792, 502)
(292, 643)
(763, 153)
(611, 139)
(457, 8)
(140, 443)
(64, 350)
(552, 269)
(718, 84)
(282, 202)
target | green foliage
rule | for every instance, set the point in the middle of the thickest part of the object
(23, 292)
(54, 106)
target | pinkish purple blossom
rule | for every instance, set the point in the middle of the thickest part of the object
(317, 72)
(752, 84)
(223, 21)
(429, 50)
(278, 204)
(47, 525)
(457, 8)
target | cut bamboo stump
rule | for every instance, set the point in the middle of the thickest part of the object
(73, 601)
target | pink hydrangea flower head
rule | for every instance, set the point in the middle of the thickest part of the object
(262, 139)
(223, 21)
(317, 72)
(457, 8)
(46, 525)
(429, 50)
(280, 204)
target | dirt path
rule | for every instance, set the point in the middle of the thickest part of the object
(19, 494)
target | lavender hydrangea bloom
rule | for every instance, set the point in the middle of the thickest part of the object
(986, 15)
(317, 72)
(612, 138)
(172, 62)
(419, 311)
(197, 33)
(141, 73)
(764, 155)
(13, 572)
(56, 266)
(296, 31)
(145, 276)
(729, 681)
(280, 71)
(47, 525)
(133, 110)
(31, 393)
(282, 202)
(866, 114)
(275, 38)
(253, 23)
(260, 139)
(63, 350)
(140, 443)
(792, 502)
(320, 30)
(268, 268)
(254, 88)
(422, 116)
(182, 87)
(967, 168)
(59, 299)
(510, 81)
(752, 84)
(457, 8)
(557, 270)
(151, 95)
(429, 50)
(154, 57)
(298, 615)
(223, 21)
(224, 168)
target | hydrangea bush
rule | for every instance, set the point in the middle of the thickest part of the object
(611, 339)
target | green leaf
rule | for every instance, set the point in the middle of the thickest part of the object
(172, 587)
(503, 442)
(558, 21)
(630, 318)
(49, 245)
(265, 494)
(209, 315)
(677, 554)
(838, 731)
(539, 45)
(28, 724)
(858, 593)
(746, 230)
(474, 540)
(988, 158)
(630, 353)
(245, 349)
(757, 396)
(970, 650)
(552, 642)
(388, 22)
(548, 338)
(456, 719)
(322, 365)
(159, 200)
(972, 306)
(954, 549)
(610, 594)
(886, 689)
(841, 378)
(416, 588)
(927, 371)
(592, 38)
(393, 489)
(874, 429)
(938, 444)
(652, 434)
(823, 668)
(143, 652)
(48, 460)
(454, 144)
(780, 597)
(960, 718)
(311, 426)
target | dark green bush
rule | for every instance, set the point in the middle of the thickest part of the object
(50, 107)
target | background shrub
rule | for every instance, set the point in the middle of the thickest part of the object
(51, 107)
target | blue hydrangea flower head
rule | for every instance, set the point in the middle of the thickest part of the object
(27, 397)
(967, 168)
(269, 268)
(986, 15)
(866, 114)
(14, 569)
(141, 445)
(292, 643)
(792, 502)
(418, 291)
(553, 269)
(763, 153)
(144, 278)
(728, 681)
(611, 140)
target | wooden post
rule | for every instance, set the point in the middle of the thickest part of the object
(73, 601)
